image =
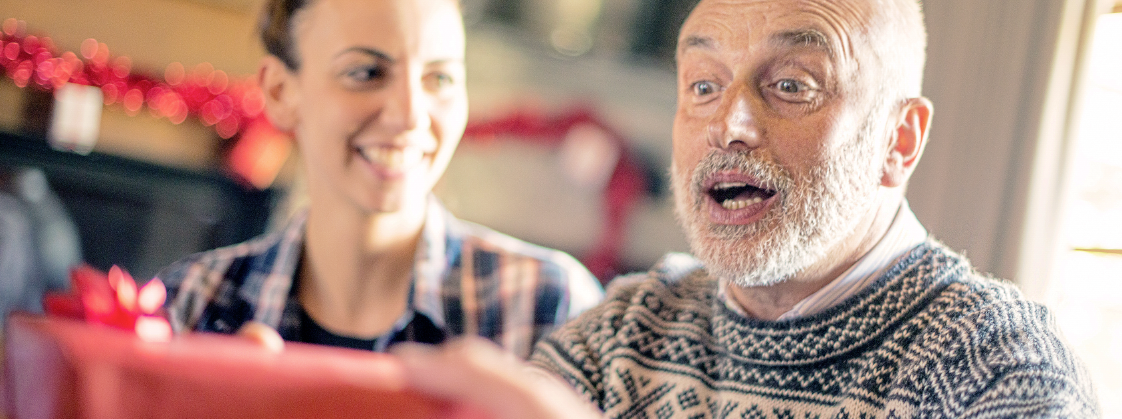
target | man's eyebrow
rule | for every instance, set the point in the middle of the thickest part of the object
(369, 51)
(804, 38)
(697, 41)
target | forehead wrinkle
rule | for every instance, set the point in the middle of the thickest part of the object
(827, 24)
(846, 20)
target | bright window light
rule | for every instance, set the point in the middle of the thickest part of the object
(1086, 291)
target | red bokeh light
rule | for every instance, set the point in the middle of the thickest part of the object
(89, 48)
(133, 101)
(174, 73)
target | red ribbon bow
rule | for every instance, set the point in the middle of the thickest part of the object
(113, 300)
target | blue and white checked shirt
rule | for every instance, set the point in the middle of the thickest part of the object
(467, 280)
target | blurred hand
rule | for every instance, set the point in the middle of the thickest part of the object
(262, 335)
(475, 372)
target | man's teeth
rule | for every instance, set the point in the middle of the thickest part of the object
(393, 158)
(735, 204)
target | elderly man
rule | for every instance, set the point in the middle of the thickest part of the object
(812, 291)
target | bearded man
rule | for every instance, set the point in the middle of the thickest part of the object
(812, 290)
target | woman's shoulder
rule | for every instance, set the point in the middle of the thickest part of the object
(498, 257)
(488, 245)
(267, 254)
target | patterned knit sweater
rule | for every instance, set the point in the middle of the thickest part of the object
(931, 338)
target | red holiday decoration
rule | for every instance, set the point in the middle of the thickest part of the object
(211, 96)
(113, 300)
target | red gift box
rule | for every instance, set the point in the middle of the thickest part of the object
(63, 368)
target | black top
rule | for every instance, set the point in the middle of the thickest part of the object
(411, 327)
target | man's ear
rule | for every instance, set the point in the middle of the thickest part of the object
(277, 85)
(909, 139)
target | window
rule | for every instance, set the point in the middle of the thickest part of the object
(1086, 290)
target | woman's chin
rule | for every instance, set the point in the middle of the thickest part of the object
(393, 204)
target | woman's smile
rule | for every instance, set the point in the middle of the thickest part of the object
(393, 161)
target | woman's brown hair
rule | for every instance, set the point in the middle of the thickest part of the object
(277, 19)
(275, 28)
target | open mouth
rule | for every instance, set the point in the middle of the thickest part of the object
(738, 195)
(392, 158)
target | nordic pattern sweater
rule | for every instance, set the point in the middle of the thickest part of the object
(930, 338)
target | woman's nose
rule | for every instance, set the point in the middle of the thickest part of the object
(733, 124)
(407, 108)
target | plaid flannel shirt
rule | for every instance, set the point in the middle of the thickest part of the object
(467, 279)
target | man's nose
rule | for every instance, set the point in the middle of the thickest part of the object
(407, 107)
(734, 125)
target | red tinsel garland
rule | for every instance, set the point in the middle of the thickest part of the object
(210, 95)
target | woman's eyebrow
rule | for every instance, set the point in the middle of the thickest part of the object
(369, 51)
(441, 61)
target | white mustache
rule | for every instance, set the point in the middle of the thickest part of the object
(770, 175)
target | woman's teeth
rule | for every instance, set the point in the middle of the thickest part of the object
(393, 158)
(735, 204)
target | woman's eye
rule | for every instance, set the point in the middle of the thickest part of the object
(366, 74)
(440, 80)
(704, 88)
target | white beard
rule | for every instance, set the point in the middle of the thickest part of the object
(813, 213)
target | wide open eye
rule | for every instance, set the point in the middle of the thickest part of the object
(703, 88)
(794, 91)
(791, 86)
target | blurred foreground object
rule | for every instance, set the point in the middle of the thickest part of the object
(63, 368)
(113, 300)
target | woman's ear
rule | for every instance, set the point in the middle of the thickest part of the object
(909, 139)
(281, 96)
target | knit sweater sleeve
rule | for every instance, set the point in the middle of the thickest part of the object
(574, 351)
(1007, 359)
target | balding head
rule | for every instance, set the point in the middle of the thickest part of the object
(797, 127)
(898, 37)
(893, 32)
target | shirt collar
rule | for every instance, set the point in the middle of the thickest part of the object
(430, 266)
(435, 252)
(277, 271)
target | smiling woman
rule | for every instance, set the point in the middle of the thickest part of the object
(374, 95)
